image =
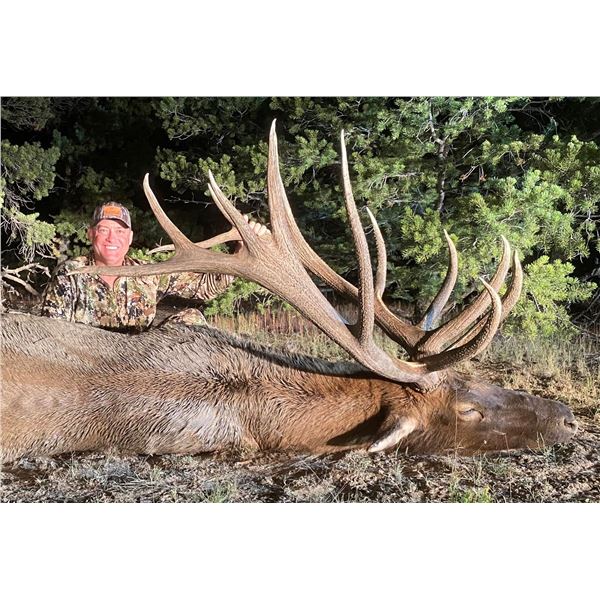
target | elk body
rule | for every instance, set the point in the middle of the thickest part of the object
(69, 387)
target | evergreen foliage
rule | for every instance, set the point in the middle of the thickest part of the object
(525, 168)
(27, 177)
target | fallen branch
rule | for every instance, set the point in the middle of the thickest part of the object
(12, 275)
(26, 285)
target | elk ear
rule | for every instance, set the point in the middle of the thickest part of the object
(401, 428)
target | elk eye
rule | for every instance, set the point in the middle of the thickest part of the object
(470, 414)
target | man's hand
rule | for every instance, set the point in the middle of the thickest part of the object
(258, 228)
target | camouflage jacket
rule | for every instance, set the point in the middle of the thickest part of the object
(130, 304)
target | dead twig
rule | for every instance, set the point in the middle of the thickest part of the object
(12, 275)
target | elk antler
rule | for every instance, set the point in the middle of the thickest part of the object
(229, 236)
(280, 261)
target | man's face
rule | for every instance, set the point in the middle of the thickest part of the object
(110, 241)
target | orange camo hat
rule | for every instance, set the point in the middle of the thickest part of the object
(112, 210)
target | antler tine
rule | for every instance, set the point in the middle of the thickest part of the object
(457, 326)
(282, 221)
(234, 216)
(509, 299)
(365, 274)
(229, 236)
(180, 241)
(516, 285)
(380, 275)
(477, 344)
(433, 313)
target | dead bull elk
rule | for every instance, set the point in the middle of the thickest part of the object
(69, 387)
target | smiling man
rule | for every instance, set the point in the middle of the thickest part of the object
(123, 303)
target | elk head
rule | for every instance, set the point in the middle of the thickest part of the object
(428, 407)
(468, 416)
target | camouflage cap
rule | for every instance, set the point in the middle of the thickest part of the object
(111, 210)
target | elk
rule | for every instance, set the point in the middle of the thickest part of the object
(68, 387)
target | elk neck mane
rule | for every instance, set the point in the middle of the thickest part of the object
(196, 351)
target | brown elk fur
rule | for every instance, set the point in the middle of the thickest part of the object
(68, 387)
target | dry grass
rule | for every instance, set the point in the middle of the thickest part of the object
(567, 370)
(288, 330)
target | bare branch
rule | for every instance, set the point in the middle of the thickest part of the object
(22, 283)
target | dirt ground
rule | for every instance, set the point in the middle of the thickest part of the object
(569, 473)
(564, 473)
